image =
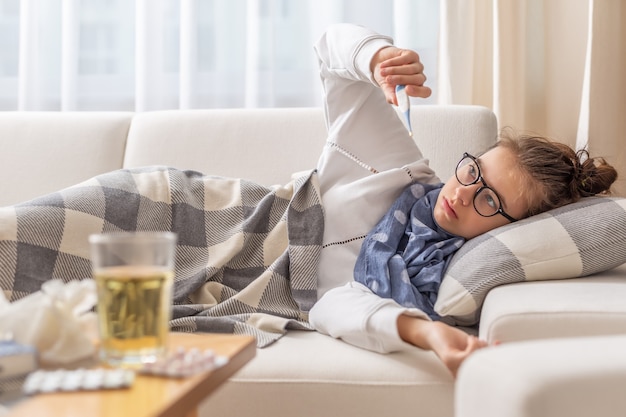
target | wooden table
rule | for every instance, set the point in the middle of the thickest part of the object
(149, 396)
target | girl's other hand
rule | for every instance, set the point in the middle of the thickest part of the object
(451, 344)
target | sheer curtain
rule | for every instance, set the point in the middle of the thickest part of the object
(143, 55)
(553, 67)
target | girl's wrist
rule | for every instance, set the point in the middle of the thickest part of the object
(415, 330)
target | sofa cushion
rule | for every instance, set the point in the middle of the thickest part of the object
(308, 374)
(572, 241)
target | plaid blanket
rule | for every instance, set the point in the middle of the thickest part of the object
(247, 255)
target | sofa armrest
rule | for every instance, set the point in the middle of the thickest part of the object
(587, 306)
(573, 377)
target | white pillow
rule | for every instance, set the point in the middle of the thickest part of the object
(576, 240)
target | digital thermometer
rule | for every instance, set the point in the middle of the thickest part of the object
(404, 106)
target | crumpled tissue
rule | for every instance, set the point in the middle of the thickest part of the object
(57, 320)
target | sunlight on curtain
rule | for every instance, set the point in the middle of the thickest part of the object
(549, 67)
(143, 55)
(602, 123)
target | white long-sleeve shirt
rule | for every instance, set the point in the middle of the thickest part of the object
(368, 160)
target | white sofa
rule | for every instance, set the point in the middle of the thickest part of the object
(306, 373)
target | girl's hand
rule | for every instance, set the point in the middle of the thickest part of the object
(452, 345)
(392, 66)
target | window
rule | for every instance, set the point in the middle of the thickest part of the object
(164, 54)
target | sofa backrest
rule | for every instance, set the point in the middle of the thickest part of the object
(45, 151)
(267, 145)
(41, 152)
(264, 145)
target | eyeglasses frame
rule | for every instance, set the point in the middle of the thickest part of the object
(480, 178)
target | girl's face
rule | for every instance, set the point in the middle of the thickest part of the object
(454, 210)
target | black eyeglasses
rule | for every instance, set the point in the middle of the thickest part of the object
(486, 200)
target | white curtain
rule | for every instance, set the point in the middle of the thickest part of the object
(142, 55)
(552, 67)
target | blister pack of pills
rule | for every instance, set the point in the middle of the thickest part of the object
(16, 359)
(77, 380)
(182, 363)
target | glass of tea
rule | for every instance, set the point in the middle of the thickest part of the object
(134, 274)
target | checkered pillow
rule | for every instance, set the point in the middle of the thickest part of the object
(572, 241)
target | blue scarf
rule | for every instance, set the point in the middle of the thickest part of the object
(405, 255)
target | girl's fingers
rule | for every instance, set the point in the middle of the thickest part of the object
(413, 79)
(418, 91)
(401, 57)
(414, 84)
(475, 343)
(403, 69)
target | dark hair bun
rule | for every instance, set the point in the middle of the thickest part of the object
(592, 175)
